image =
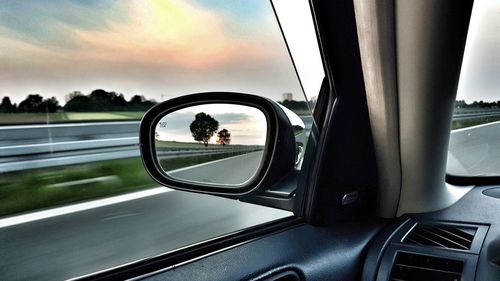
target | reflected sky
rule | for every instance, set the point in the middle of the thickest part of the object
(247, 125)
(156, 48)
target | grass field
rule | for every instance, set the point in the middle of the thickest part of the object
(197, 145)
(13, 118)
(458, 124)
(36, 189)
(50, 187)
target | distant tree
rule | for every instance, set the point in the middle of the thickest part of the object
(140, 103)
(72, 95)
(78, 103)
(460, 104)
(50, 105)
(294, 105)
(118, 101)
(224, 137)
(137, 99)
(32, 104)
(100, 100)
(203, 127)
(6, 106)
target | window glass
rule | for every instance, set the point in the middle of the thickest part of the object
(474, 148)
(75, 79)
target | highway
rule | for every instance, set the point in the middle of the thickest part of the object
(475, 150)
(75, 244)
(71, 241)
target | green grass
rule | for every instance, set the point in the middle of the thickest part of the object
(175, 144)
(30, 190)
(458, 124)
(131, 114)
(44, 188)
(94, 116)
(12, 118)
(196, 145)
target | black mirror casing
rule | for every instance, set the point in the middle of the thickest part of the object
(279, 155)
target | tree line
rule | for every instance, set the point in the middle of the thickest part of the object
(97, 101)
(477, 104)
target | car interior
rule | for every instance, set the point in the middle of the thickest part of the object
(372, 199)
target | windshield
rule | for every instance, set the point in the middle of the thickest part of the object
(474, 148)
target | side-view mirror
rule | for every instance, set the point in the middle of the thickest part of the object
(234, 145)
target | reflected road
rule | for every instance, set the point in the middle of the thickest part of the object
(232, 170)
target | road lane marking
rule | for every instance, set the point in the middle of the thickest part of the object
(475, 127)
(119, 216)
(68, 142)
(40, 215)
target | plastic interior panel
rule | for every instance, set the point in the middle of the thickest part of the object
(315, 253)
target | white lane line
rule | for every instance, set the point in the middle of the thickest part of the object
(475, 127)
(120, 216)
(208, 163)
(40, 215)
(17, 127)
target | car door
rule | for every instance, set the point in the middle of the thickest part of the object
(332, 227)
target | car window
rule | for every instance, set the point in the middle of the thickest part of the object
(75, 79)
(474, 148)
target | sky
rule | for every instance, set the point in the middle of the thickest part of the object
(156, 48)
(247, 125)
(480, 75)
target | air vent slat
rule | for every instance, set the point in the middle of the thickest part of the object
(442, 236)
(464, 236)
(413, 241)
(447, 243)
(427, 241)
(410, 267)
(427, 269)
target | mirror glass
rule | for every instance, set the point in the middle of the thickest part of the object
(215, 143)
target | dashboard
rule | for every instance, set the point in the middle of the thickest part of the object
(461, 242)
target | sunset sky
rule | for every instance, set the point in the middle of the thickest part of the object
(148, 47)
(162, 49)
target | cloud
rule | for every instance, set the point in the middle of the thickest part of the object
(159, 49)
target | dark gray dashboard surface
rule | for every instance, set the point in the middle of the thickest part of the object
(315, 253)
(474, 208)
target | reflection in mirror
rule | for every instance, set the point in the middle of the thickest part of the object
(215, 143)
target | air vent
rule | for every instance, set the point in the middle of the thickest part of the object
(441, 235)
(410, 267)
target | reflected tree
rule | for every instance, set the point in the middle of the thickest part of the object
(203, 127)
(224, 137)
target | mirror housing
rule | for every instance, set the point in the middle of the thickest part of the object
(278, 160)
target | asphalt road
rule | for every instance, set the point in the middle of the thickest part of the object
(475, 150)
(232, 170)
(75, 244)
(64, 246)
